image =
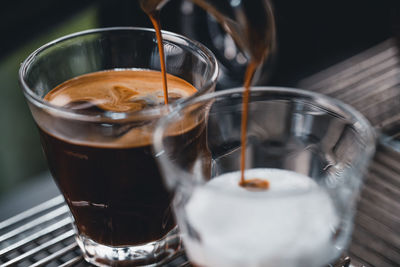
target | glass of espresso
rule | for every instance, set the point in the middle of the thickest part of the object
(305, 158)
(95, 97)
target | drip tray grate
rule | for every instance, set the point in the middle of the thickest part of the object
(43, 236)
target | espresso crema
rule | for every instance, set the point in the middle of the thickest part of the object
(118, 90)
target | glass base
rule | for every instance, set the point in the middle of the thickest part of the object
(151, 254)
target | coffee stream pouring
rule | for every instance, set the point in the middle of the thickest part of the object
(250, 23)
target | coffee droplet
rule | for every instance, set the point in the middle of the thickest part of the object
(255, 184)
(118, 91)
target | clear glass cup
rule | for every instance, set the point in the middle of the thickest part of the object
(315, 149)
(120, 207)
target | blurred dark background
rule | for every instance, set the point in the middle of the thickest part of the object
(311, 35)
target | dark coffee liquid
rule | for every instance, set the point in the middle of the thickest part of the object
(116, 195)
(114, 189)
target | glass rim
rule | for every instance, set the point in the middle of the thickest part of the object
(114, 116)
(360, 123)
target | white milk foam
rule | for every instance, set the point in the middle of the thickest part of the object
(238, 227)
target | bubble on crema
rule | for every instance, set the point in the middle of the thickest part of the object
(290, 223)
(118, 91)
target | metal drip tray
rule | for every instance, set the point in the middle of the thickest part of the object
(43, 236)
